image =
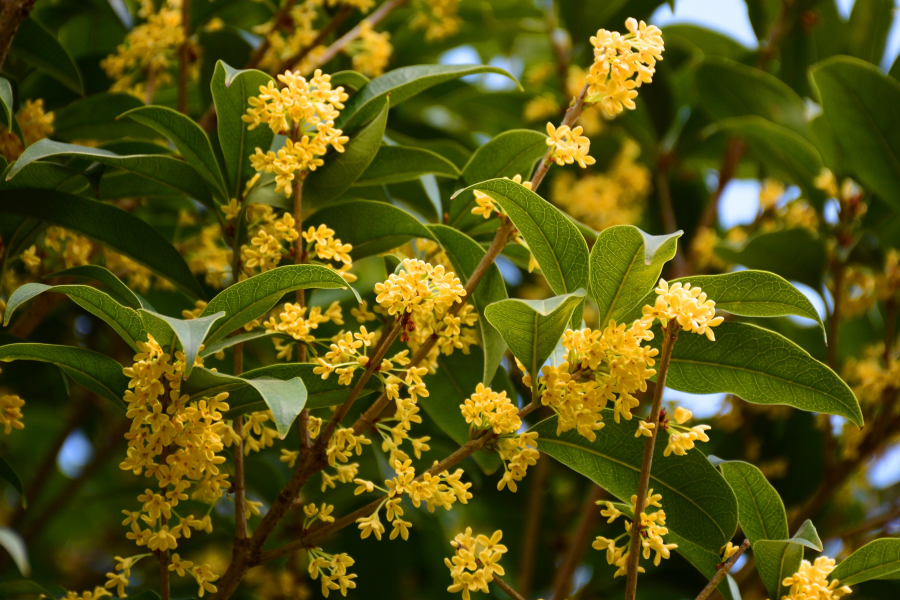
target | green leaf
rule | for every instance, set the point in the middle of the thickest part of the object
(284, 398)
(465, 254)
(555, 242)
(6, 100)
(760, 509)
(349, 79)
(252, 298)
(96, 372)
(777, 560)
(859, 102)
(761, 367)
(106, 277)
(869, 25)
(372, 227)
(231, 91)
(47, 176)
(190, 140)
(456, 378)
(785, 152)
(875, 560)
(39, 48)
(190, 334)
(167, 170)
(94, 118)
(766, 252)
(747, 293)
(509, 154)
(107, 225)
(396, 164)
(533, 328)
(231, 341)
(15, 545)
(699, 504)
(625, 267)
(402, 84)
(342, 169)
(14, 589)
(731, 89)
(9, 474)
(124, 320)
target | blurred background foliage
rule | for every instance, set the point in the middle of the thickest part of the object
(711, 149)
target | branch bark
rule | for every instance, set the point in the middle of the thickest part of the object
(722, 572)
(240, 506)
(12, 15)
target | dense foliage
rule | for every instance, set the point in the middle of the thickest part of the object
(295, 305)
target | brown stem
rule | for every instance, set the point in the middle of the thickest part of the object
(670, 336)
(164, 591)
(183, 52)
(532, 526)
(12, 15)
(506, 589)
(298, 249)
(240, 491)
(246, 555)
(376, 17)
(277, 21)
(571, 116)
(577, 547)
(722, 572)
(336, 21)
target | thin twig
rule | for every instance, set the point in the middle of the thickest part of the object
(336, 21)
(277, 22)
(670, 336)
(667, 212)
(722, 572)
(506, 588)
(240, 504)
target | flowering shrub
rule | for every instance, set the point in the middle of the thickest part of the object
(307, 305)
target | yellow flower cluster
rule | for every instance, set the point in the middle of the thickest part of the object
(681, 439)
(337, 577)
(148, 51)
(11, 412)
(600, 366)
(207, 255)
(285, 44)
(653, 528)
(569, 146)
(294, 322)
(621, 64)
(686, 305)
(419, 288)
(265, 249)
(75, 250)
(98, 592)
(485, 204)
(476, 561)
(305, 111)
(177, 440)
(371, 52)
(34, 123)
(489, 410)
(323, 245)
(811, 582)
(438, 18)
(137, 276)
(617, 197)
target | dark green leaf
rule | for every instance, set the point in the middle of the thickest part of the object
(342, 169)
(107, 225)
(761, 367)
(106, 277)
(730, 89)
(859, 102)
(231, 341)
(875, 560)
(372, 227)
(777, 560)
(190, 140)
(284, 398)
(96, 372)
(39, 48)
(6, 100)
(9, 474)
(554, 240)
(166, 170)
(699, 505)
(349, 79)
(401, 84)
(625, 267)
(465, 254)
(231, 90)
(509, 154)
(870, 22)
(252, 298)
(14, 589)
(760, 509)
(395, 164)
(533, 328)
(94, 118)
